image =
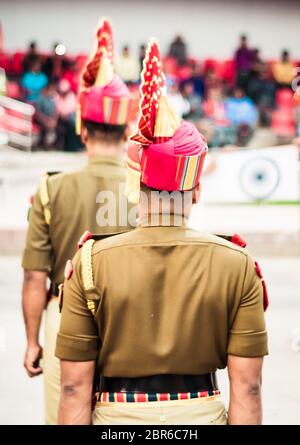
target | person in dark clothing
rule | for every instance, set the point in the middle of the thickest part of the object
(262, 89)
(197, 80)
(244, 59)
(178, 50)
(30, 56)
(53, 65)
(142, 52)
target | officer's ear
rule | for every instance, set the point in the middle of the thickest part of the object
(127, 133)
(196, 194)
(84, 135)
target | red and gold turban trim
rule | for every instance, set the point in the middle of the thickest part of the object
(103, 97)
(171, 152)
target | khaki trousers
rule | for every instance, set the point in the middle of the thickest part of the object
(202, 411)
(51, 364)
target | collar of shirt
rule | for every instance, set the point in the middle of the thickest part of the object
(162, 220)
(101, 159)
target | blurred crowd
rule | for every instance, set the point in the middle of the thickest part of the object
(242, 101)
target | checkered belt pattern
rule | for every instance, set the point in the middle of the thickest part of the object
(152, 397)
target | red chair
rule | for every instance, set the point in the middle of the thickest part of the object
(13, 90)
(184, 72)
(17, 63)
(283, 123)
(81, 61)
(5, 62)
(285, 98)
(228, 71)
(211, 64)
(170, 66)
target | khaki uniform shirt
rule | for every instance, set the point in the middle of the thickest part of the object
(73, 209)
(170, 300)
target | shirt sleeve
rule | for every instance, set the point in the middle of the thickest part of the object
(248, 336)
(77, 339)
(38, 251)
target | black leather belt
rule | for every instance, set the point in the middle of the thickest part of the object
(160, 383)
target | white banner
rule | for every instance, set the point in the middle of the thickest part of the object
(247, 175)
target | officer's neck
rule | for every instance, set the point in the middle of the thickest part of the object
(104, 149)
(150, 209)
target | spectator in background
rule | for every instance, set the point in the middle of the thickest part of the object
(242, 113)
(66, 110)
(53, 65)
(178, 50)
(180, 104)
(262, 89)
(257, 64)
(46, 114)
(34, 80)
(244, 60)
(71, 74)
(142, 52)
(283, 71)
(127, 66)
(188, 93)
(214, 108)
(197, 79)
(240, 109)
(211, 80)
(30, 56)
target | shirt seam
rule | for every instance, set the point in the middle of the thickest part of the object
(180, 243)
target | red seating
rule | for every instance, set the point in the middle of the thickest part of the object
(283, 123)
(211, 64)
(81, 60)
(16, 67)
(284, 98)
(170, 66)
(5, 62)
(228, 71)
(184, 72)
(13, 90)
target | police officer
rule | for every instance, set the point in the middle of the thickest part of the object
(156, 311)
(66, 204)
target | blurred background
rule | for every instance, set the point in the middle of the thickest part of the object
(232, 68)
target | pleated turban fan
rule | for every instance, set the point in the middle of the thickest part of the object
(166, 153)
(103, 96)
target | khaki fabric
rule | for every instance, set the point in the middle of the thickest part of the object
(207, 411)
(51, 365)
(169, 300)
(73, 206)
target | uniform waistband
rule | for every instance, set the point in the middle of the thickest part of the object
(160, 384)
(132, 397)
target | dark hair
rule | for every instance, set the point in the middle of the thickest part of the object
(104, 132)
(144, 188)
(32, 45)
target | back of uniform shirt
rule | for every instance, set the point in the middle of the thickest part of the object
(170, 300)
(74, 202)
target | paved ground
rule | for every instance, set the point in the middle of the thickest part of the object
(22, 398)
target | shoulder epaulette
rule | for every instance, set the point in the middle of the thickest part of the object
(44, 195)
(235, 239)
(86, 243)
